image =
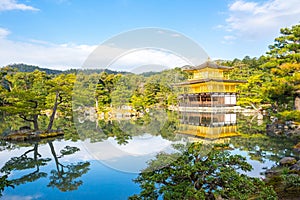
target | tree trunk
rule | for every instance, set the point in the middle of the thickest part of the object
(53, 112)
(35, 122)
(55, 157)
(297, 103)
(97, 104)
(35, 156)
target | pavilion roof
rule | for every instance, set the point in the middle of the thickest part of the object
(207, 64)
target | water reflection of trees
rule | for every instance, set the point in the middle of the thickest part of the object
(64, 177)
(25, 161)
(252, 137)
(157, 122)
(257, 144)
(260, 147)
(252, 124)
(4, 183)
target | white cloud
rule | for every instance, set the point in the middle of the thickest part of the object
(142, 145)
(3, 33)
(81, 155)
(243, 6)
(19, 197)
(229, 37)
(254, 20)
(13, 5)
(145, 60)
(131, 157)
(41, 53)
(69, 55)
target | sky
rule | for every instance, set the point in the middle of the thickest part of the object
(61, 34)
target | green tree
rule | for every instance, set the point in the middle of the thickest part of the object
(138, 100)
(59, 96)
(102, 96)
(283, 65)
(84, 90)
(283, 86)
(122, 92)
(286, 47)
(26, 95)
(197, 176)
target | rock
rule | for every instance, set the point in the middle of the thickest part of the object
(279, 126)
(271, 172)
(278, 132)
(287, 161)
(297, 147)
(293, 126)
(295, 167)
(219, 198)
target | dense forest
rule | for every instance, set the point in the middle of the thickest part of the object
(273, 80)
(31, 92)
(40, 98)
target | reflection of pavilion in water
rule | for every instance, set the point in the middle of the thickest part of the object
(208, 126)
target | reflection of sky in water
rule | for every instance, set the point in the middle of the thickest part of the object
(100, 182)
(130, 157)
(144, 144)
(258, 167)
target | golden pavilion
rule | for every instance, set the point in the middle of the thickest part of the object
(207, 86)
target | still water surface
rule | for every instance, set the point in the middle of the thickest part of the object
(103, 164)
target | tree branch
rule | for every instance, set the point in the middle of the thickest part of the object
(35, 103)
(60, 99)
(25, 118)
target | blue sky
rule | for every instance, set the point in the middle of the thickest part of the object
(62, 33)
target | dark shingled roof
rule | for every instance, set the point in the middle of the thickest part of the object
(207, 64)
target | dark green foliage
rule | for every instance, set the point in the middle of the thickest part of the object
(32, 68)
(26, 162)
(158, 90)
(272, 79)
(148, 74)
(65, 175)
(201, 173)
(4, 183)
(260, 147)
(69, 150)
(99, 71)
(102, 95)
(285, 181)
(66, 179)
(286, 47)
(289, 115)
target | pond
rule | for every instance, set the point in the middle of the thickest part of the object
(107, 155)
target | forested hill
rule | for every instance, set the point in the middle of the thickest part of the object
(30, 68)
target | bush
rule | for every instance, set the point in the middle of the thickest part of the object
(289, 115)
